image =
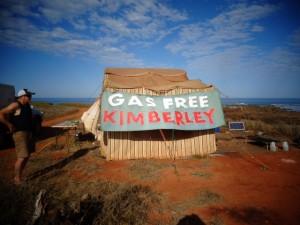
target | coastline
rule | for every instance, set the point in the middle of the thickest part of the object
(290, 104)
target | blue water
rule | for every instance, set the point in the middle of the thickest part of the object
(286, 103)
(65, 100)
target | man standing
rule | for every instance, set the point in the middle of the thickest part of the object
(18, 118)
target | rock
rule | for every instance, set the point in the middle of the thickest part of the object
(288, 161)
(85, 197)
(74, 207)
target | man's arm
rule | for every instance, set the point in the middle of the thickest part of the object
(5, 112)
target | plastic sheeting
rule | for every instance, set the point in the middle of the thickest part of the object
(90, 118)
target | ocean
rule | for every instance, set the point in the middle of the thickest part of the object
(292, 104)
(65, 100)
(286, 103)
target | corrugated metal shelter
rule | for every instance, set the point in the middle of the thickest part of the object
(154, 143)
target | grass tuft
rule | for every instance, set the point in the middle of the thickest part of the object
(16, 204)
(216, 220)
(147, 169)
(202, 174)
(204, 198)
(207, 197)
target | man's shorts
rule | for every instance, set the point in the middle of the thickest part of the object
(24, 143)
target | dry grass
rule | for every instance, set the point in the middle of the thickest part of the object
(203, 198)
(128, 205)
(291, 131)
(207, 197)
(147, 169)
(216, 220)
(111, 204)
(53, 110)
(268, 119)
(74, 200)
(257, 125)
(202, 174)
(204, 161)
(16, 204)
(267, 114)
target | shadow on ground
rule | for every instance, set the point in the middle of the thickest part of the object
(192, 219)
(252, 215)
(48, 132)
(60, 164)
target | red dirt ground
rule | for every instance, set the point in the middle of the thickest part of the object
(246, 192)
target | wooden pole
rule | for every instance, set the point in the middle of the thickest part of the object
(165, 141)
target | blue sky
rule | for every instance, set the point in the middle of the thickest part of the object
(60, 48)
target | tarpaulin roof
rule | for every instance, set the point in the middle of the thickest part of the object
(153, 79)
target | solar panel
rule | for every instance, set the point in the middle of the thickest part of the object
(236, 125)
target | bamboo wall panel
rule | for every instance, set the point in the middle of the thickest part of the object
(150, 144)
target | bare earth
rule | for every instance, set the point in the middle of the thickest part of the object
(229, 187)
(72, 116)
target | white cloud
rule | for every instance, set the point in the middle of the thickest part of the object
(138, 21)
(111, 31)
(57, 10)
(169, 13)
(60, 41)
(295, 39)
(112, 6)
(223, 63)
(284, 60)
(222, 45)
(243, 13)
(223, 51)
(257, 28)
(136, 17)
(227, 30)
(79, 24)
(103, 29)
(22, 8)
(117, 26)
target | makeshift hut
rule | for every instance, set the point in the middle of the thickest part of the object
(157, 113)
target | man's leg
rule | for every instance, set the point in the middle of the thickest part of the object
(19, 168)
(23, 165)
(23, 148)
